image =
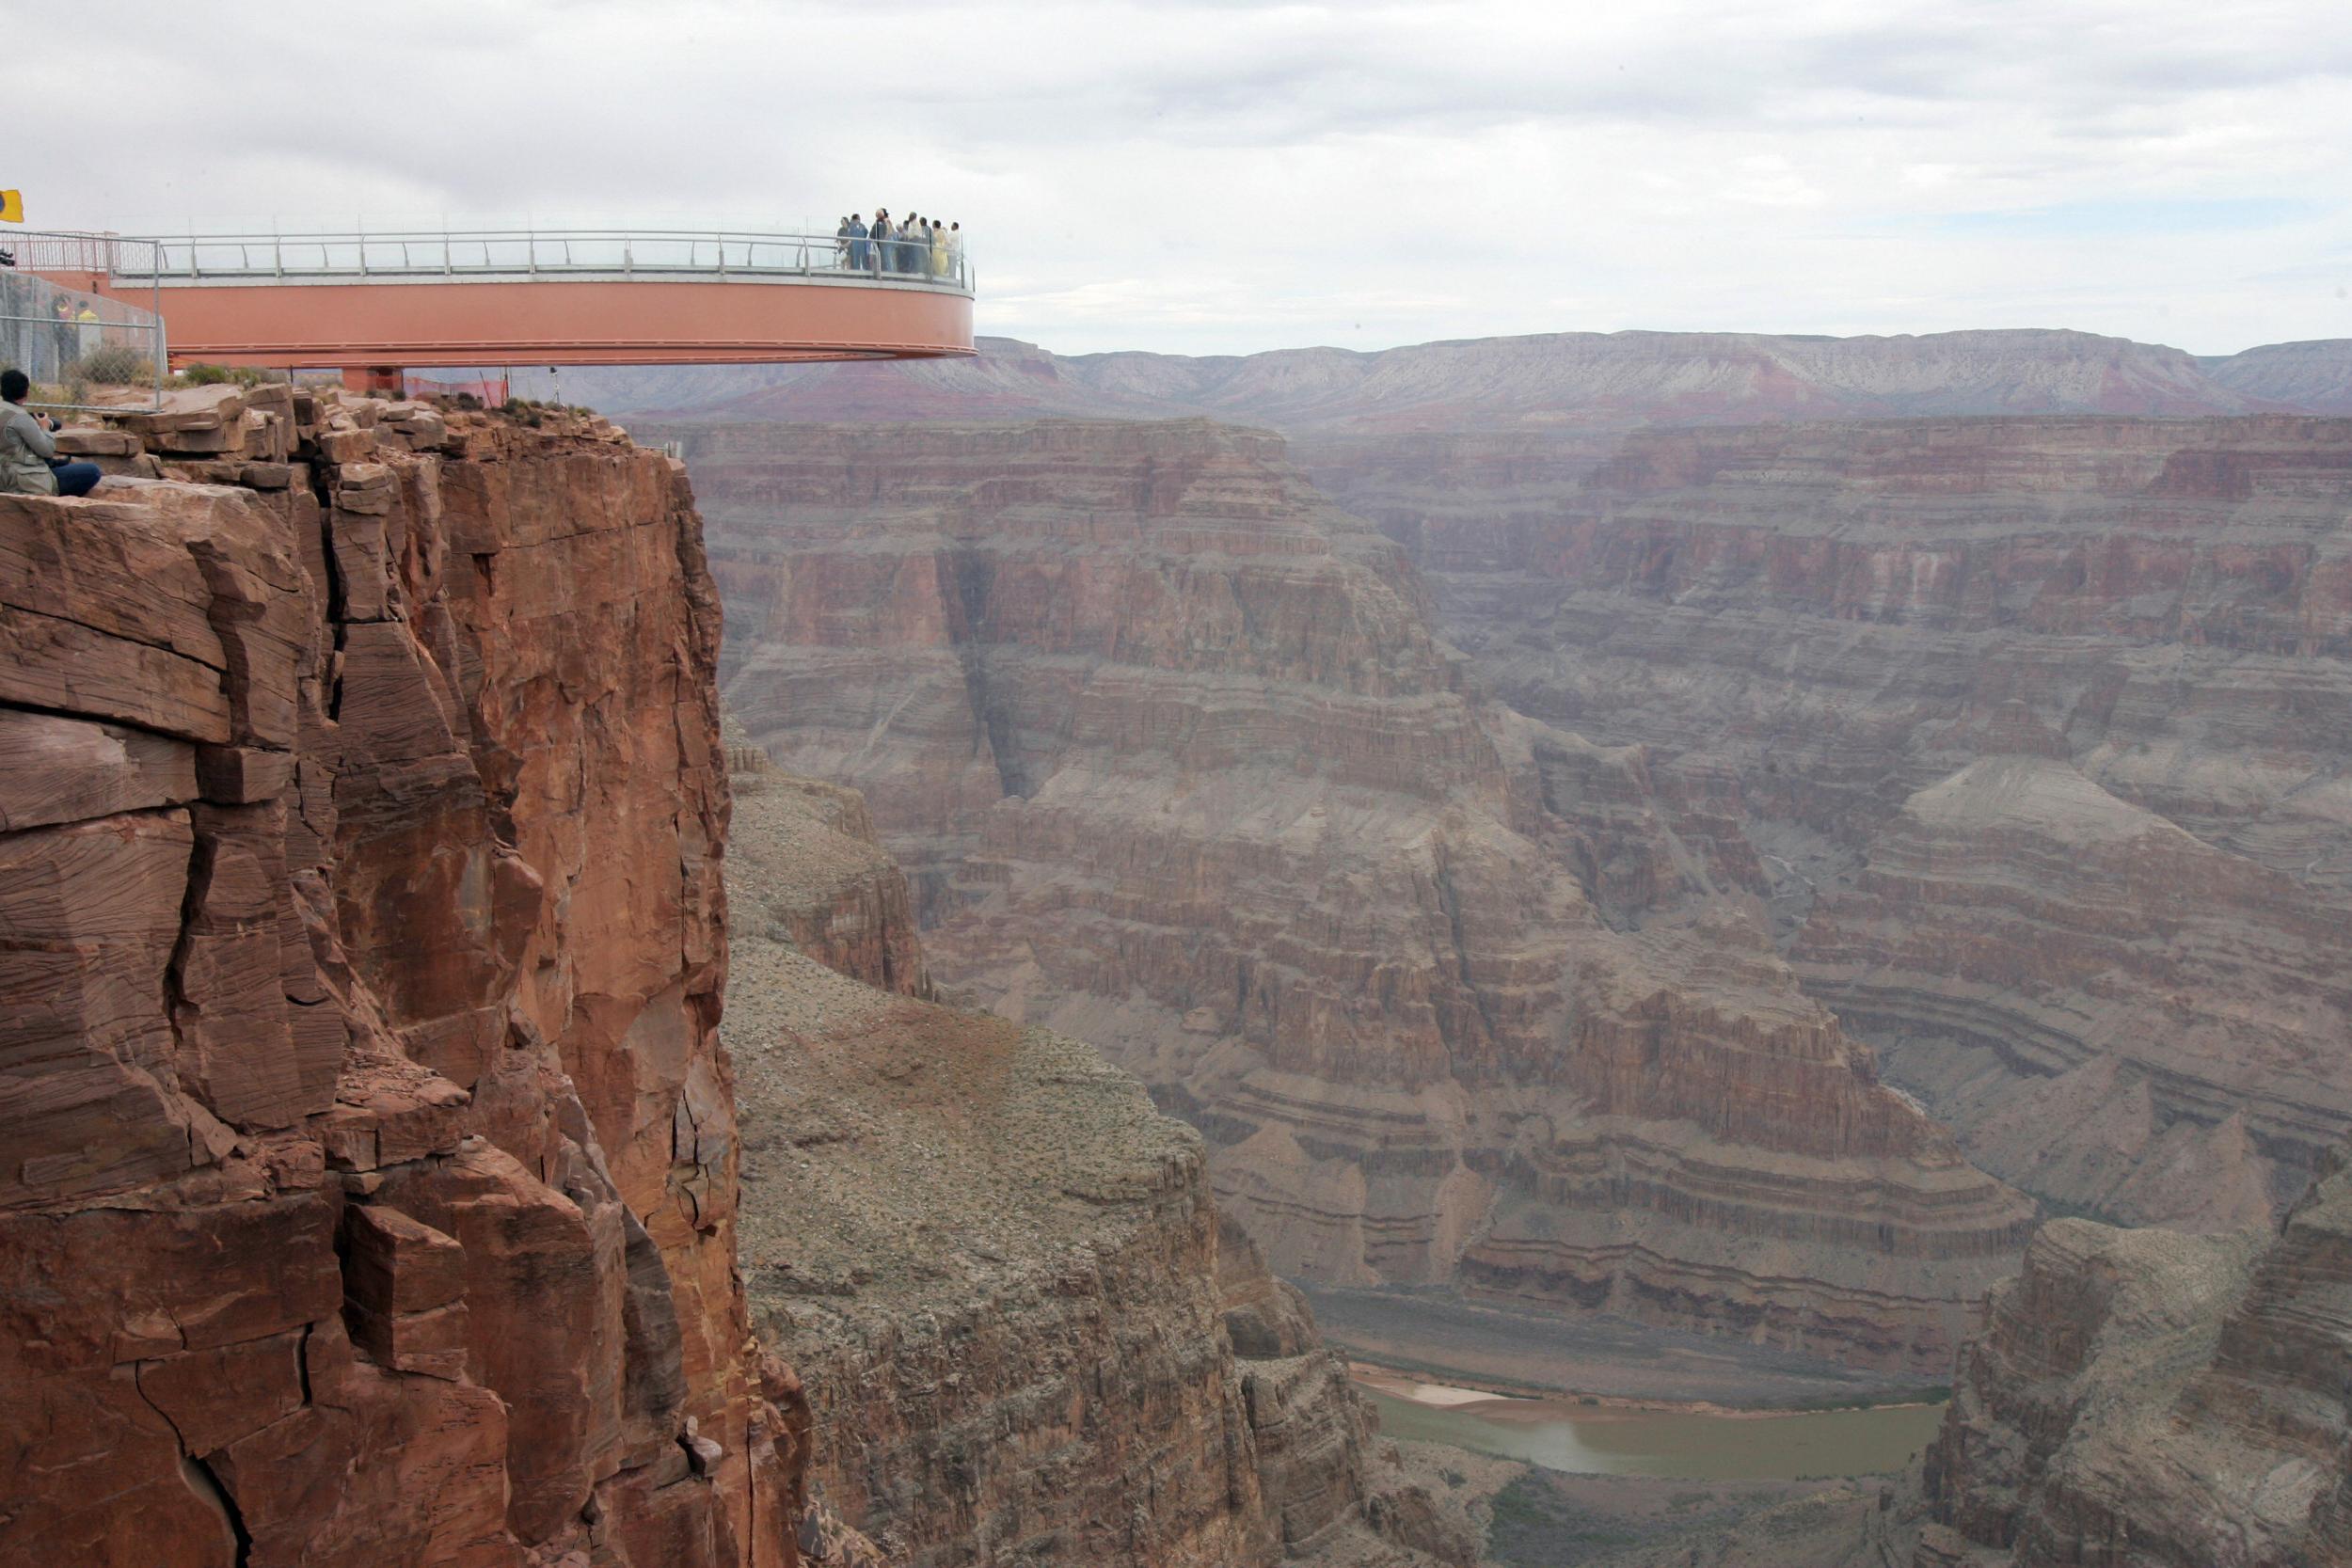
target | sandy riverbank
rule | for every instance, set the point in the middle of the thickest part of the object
(1434, 1339)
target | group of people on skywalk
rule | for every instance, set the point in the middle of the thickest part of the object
(914, 245)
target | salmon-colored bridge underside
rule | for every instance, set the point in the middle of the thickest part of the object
(637, 321)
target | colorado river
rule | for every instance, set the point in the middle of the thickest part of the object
(1562, 1434)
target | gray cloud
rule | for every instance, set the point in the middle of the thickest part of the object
(1214, 177)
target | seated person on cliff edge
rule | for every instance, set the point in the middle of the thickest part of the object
(30, 464)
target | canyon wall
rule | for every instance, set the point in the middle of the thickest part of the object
(1024, 1332)
(1814, 632)
(2146, 1399)
(369, 1186)
(2038, 727)
(2021, 739)
(1176, 766)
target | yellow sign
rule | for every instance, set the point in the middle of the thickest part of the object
(11, 206)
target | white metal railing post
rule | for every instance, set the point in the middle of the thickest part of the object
(155, 308)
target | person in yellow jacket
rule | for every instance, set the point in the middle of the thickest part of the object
(939, 249)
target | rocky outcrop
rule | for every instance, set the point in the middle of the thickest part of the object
(369, 1190)
(1008, 1228)
(805, 862)
(1028, 1335)
(996, 1268)
(1177, 767)
(1311, 1432)
(2145, 1398)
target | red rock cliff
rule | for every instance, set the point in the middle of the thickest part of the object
(369, 1183)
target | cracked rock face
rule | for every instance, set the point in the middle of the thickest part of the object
(367, 1184)
(1176, 766)
(2144, 1398)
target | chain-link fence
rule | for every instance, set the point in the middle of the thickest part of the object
(64, 322)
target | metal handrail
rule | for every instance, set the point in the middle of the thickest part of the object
(525, 252)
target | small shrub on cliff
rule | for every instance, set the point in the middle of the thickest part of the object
(525, 412)
(242, 375)
(116, 365)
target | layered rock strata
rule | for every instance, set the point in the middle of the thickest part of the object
(2124, 924)
(369, 1185)
(1815, 623)
(1177, 767)
(2144, 1398)
(2052, 957)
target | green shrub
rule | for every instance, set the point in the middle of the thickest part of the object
(116, 365)
(242, 375)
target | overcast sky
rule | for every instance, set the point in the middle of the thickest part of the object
(1224, 178)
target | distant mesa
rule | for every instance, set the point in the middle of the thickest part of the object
(1558, 384)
